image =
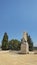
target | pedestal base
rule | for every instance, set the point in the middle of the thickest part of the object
(25, 48)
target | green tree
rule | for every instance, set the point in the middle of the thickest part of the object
(5, 42)
(14, 44)
(30, 42)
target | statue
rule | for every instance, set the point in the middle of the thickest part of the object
(24, 44)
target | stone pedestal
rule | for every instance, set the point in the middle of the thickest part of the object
(25, 48)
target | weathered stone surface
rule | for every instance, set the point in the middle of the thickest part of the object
(24, 45)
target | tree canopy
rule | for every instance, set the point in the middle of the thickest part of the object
(5, 42)
(14, 44)
(30, 42)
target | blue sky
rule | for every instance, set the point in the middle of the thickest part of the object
(18, 16)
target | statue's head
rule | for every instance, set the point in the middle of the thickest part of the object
(25, 36)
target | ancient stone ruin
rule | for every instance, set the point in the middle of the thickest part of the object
(24, 44)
